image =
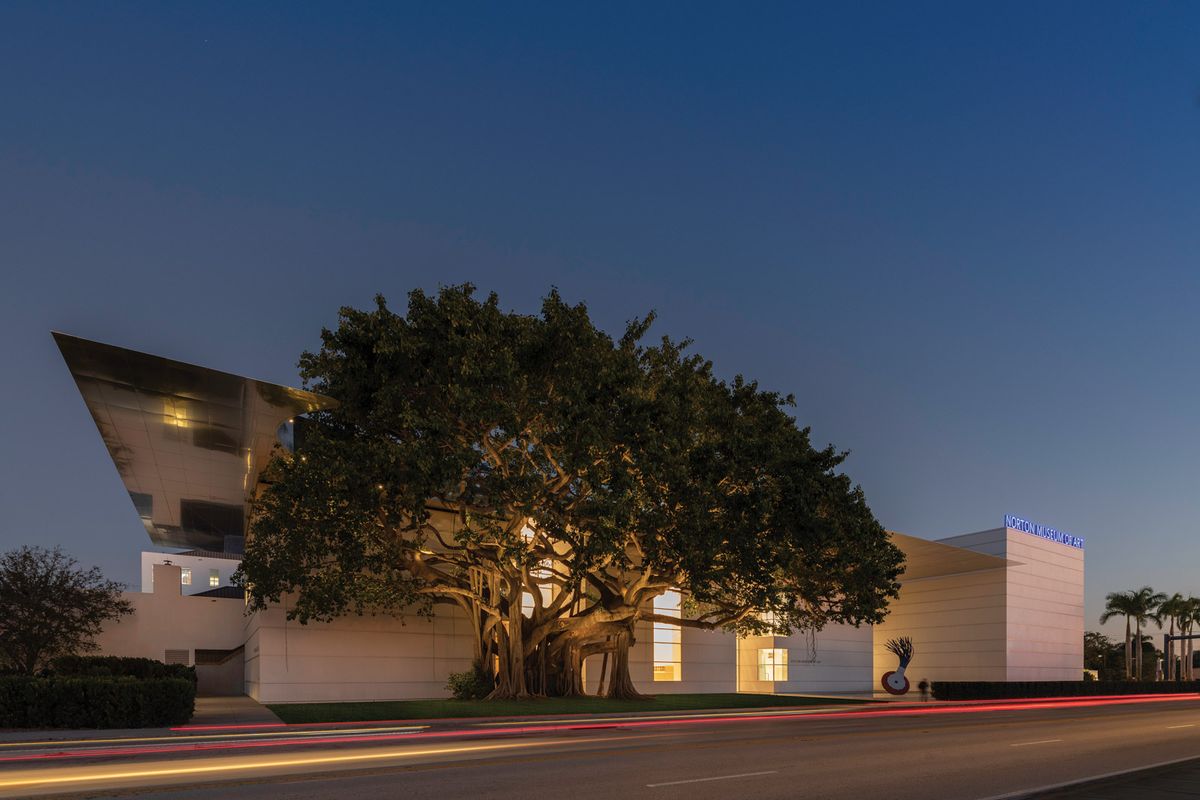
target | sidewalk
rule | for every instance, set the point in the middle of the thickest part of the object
(231, 711)
(1174, 782)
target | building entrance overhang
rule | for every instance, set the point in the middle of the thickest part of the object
(929, 559)
(189, 442)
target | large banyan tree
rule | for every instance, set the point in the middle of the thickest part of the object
(550, 481)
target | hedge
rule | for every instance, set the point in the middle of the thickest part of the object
(999, 690)
(94, 702)
(119, 666)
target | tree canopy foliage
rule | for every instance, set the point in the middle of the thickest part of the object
(50, 607)
(550, 481)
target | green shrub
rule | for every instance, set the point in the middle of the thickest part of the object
(470, 685)
(119, 666)
(1014, 690)
(94, 701)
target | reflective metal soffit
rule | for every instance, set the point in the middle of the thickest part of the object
(189, 442)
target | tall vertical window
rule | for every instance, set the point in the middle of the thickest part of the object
(772, 664)
(541, 572)
(185, 576)
(538, 573)
(214, 578)
(668, 648)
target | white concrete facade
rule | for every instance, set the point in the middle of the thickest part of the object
(998, 605)
(1019, 620)
(354, 658)
(200, 570)
(168, 621)
(706, 663)
(190, 444)
(836, 660)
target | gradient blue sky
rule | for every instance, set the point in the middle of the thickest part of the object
(967, 239)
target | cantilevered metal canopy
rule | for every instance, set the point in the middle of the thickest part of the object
(929, 559)
(189, 442)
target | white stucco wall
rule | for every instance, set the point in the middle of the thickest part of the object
(957, 624)
(709, 662)
(200, 566)
(1045, 610)
(717, 661)
(354, 658)
(957, 621)
(1022, 622)
(168, 620)
(837, 661)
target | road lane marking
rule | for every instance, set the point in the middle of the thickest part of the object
(716, 778)
(1039, 741)
(1189, 725)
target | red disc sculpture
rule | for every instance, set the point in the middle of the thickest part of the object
(894, 682)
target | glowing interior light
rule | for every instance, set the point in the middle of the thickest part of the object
(175, 413)
(668, 638)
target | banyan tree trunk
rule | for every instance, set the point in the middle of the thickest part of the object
(620, 685)
(603, 673)
(510, 684)
(543, 686)
(570, 676)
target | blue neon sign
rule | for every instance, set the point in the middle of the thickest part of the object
(1042, 531)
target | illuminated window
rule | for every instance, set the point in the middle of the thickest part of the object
(538, 573)
(185, 576)
(214, 578)
(772, 664)
(668, 649)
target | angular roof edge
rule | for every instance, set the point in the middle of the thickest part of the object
(925, 558)
(189, 442)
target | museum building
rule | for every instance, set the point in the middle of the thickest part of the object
(190, 443)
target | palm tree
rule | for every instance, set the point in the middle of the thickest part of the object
(1172, 609)
(1122, 604)
(1146, 602)
(1189, 618)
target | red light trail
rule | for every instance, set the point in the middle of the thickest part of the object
(556, 726)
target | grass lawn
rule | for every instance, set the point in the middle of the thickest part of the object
(434, 709)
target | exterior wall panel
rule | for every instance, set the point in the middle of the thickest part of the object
(199, 565)
(1045, 609)
(356, 658)
(837, 660)
(956, 622)
(1021, 621)
(168, 620)
(708, 662)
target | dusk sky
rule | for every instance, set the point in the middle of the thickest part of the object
(967, 240)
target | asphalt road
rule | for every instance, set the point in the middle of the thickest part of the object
(940, 755)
